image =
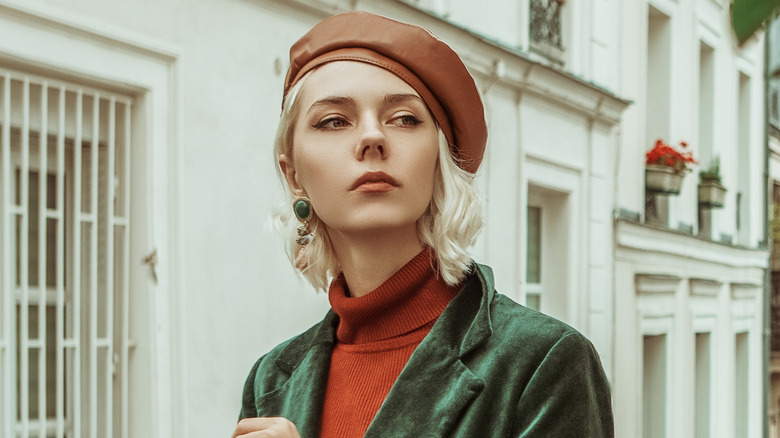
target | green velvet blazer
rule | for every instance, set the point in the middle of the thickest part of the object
(488, 368)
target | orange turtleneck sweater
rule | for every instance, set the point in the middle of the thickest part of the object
(376, 335)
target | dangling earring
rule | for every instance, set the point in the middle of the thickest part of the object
(303, 211)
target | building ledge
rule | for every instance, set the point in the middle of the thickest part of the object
(631, 235)
(632, 217)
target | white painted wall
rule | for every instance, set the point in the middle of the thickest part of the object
(678, 286)
(671, 283)
(227, 293)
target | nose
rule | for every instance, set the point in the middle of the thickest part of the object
(372, 142)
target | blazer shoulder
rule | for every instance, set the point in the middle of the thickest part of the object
(287, 354)
(516, 323)
(274, 367)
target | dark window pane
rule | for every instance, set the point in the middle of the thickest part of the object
(534, 247)
(546, 22)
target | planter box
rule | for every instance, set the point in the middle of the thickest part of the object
(662, 180)
(711, 194)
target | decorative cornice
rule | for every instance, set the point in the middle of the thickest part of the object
(656, 283)
(745, 291)
(705, 286)
(640, 237)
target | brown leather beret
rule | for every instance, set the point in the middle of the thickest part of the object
(413, 54)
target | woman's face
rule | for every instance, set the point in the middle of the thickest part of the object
(365, 150)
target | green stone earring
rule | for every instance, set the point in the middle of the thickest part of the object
(302, 208)
(304, 212)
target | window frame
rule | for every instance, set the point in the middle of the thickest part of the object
(31, 39)
(534, 289)
(86, 138)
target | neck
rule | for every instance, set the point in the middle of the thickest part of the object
(367, 261)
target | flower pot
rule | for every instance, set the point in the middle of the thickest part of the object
(662, 180)
(711, 194)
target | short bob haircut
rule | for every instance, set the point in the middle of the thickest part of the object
(449, 226)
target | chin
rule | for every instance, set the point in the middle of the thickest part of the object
(375, 224)
(374, 217)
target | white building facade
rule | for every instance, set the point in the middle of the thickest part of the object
(139, 281)
(690, 278)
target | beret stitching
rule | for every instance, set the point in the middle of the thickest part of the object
(370, 61)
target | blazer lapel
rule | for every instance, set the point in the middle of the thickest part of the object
(435, 386)
(300, 397)
(432, 390)
(428, 396)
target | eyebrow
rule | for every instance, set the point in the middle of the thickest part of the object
(402, 97)
(348, 101)
(332, 100)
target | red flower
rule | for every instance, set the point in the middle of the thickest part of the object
(664, 155)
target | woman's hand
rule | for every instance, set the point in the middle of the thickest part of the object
(276, 427)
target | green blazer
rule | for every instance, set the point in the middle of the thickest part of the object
(488, 368)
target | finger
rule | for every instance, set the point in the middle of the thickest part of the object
(248, 425)
(269, 426)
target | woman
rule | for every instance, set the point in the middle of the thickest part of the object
(381, 132)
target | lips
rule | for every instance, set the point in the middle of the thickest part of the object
(374, 182)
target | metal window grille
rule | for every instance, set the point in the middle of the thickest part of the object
(545, 18)
(64, 230)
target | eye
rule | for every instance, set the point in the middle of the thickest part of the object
(334, 122)
(406, 120)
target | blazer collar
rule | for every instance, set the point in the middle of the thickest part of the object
(435, 385)
(321, 335)
(480, 285)
(305, 362)
(433, 388)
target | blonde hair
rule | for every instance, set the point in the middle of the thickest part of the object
(449, 226)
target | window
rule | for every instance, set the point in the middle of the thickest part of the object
(548, 272)
(533, 294)
(744, 172)
(654, 386)
(545, 31)
(741, 384)
(702, 385)
(64, 208)
(706, 101)
(773, 70)
(706, 123)
(774, 100)
(658, 102)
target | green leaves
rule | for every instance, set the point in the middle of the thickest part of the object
(747, 16)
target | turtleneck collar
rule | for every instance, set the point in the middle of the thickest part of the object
(411, 298)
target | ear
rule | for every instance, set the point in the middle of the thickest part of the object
(290, 176)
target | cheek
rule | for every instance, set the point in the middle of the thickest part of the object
(316, 170)
(428, 165)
